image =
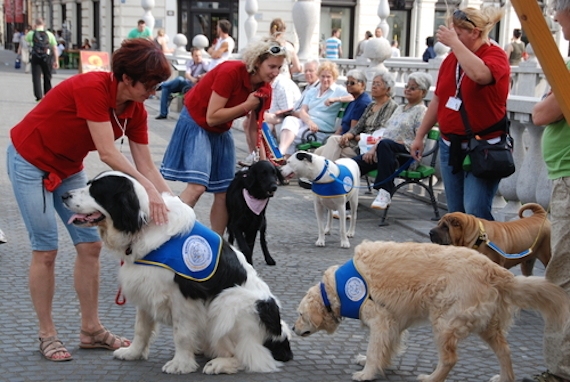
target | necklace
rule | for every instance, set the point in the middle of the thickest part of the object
(123, 128)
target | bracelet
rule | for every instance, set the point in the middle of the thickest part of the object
(244, 109)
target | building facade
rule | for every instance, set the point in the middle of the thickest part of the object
(109, 21)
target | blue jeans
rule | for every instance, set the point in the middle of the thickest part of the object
(464, 191)
(39, 206)
(174, 86)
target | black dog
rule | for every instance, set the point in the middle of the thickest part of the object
(257, 184)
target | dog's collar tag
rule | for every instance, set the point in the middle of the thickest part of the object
(333, 188)
(194, 256)
(351, 288)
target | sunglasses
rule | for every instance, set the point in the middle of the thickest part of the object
(351, 83)
(150, 89)
(380, 84)
(412, 88)
(460, 15)
(276, 50)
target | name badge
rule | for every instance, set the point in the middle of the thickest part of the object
(453, 103)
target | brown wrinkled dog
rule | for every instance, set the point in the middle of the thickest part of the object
(456, 289)
(512, 237)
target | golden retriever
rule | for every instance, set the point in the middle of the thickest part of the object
(512, 237)
(457, 289)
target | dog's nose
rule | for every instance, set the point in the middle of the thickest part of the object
(273, 187)
(434, 237)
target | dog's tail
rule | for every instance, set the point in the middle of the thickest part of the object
(535, 208)
(537, 293)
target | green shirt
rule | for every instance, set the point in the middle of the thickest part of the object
(30, 37)
(556, 148)
(136, 34)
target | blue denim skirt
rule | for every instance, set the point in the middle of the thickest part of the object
(197, 156)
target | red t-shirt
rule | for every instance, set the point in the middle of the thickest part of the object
(485, 104)
(54, 136)
(230, 80)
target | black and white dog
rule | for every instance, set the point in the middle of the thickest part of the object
(333, 185)
(213, 299)
(246, 200)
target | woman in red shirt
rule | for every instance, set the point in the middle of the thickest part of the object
(476, 76)
(201, 151)
(83, 113)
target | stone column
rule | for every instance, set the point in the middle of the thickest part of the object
(148, 6)
(305, 18)
(250, 23)
(377, 50)
(383, 13)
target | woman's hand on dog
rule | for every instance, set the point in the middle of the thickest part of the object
(158, 210)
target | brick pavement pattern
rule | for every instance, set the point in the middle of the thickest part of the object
(291, 237)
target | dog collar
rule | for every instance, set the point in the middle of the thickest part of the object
(482, 236)
(325, 168)
(325, 298)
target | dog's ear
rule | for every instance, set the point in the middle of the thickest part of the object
(302, 155)
(248, 178)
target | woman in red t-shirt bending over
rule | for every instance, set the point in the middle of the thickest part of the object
(201, 151)
(83, 113)
(476, 76)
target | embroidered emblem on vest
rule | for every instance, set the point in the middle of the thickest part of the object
(335, 188)
(194, 256)
(352, 290)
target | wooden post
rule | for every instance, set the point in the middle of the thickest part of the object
(539, 35)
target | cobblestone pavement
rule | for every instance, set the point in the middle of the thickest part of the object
(291, 237)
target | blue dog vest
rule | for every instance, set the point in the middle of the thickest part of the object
(194, 256)
(352, 290)
(335, 188)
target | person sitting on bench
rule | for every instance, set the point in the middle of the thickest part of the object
(195, 70)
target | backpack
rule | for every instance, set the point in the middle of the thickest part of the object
(40, 47)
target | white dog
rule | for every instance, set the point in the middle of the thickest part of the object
(392, 286)
(334, 184)
(208, 293)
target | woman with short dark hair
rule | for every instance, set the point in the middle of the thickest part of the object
(84, 113)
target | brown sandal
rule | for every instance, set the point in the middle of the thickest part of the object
(49, 346)
(106, 343)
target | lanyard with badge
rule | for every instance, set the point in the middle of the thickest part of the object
(454, 103)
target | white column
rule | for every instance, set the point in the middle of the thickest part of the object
(383, 13)
(425, 11)
(305, 18)
(251, 8)
(148, 6)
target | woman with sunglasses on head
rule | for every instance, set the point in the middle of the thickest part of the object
(84, 113)
(201, 151)
(397, 138)
(373, 117)
(475, 76)
(318, 111)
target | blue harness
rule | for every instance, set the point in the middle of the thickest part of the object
(334, 188)
(351, 289)
(194, 256)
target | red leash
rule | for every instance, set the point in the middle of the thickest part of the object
(120, 299)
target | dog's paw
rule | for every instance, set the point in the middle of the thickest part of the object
(130, 353)
(222, 366)
(320, 242)
(495, 378)
(350, 233)
(425, 378)
(176, 366)
(360, 360)
(363, 376)
(345, 244)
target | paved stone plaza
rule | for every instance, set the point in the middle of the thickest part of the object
(291, 237)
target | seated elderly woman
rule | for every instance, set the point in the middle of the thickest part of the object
(318, 112)
(373, 118)
(397, 138)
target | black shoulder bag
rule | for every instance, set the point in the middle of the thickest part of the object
(489, 161)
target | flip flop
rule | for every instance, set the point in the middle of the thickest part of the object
(106, 343)
(49, 346)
